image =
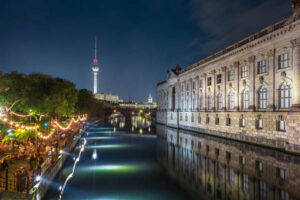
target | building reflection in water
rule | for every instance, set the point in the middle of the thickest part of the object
(135, 123)
(215, 168)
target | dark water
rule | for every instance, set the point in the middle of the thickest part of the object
(126, 168)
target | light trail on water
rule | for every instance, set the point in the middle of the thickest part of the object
(73, 170)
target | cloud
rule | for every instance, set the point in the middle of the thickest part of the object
(225, 22)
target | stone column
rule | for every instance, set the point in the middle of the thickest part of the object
(296, 78)
(272, 71)
(224, 69)
(197, 92)
(237, 81)
(214, 87)
(204, 92)
(252, 71)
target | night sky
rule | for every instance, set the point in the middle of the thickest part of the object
(139, 40)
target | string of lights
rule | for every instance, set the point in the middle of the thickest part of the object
(18, 125)
(73, 120)
(21, 127)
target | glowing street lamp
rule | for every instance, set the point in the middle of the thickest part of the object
(94, 155)
(38, 178)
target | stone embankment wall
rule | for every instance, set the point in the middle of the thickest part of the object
(53, 171)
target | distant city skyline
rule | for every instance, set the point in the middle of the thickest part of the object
(138, 41)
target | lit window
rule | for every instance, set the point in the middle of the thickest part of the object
(285, 97)
(183, 97)
(245, 99)
(210, 102)
(262, 67)
(284, 61)
(201, 83)
(262, 97)
(202, 103)
(281, 124)
(220, 101)
(259, 124)
(242, 121)
(231, 100)
(244, 71)
(230, 75)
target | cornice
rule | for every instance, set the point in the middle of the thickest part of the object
(255, 42)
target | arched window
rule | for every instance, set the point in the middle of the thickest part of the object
(210, 102)
(245, 98)
(220, 101)
(263, 97)
(231, 100)
(285, 97)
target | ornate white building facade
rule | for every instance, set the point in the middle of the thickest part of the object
(249, 91)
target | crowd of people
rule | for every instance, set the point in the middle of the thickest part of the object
(21, 162)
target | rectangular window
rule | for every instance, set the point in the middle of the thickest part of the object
(201, 84)
(244, 71)
(242, 122)
(263, 190)
(217, 120)
(207, 120)
(282, 125)
(228, 121)
(260, 124)
(194, 85)
(230, 75)
(209, 81)
(245, 183)
(262, 67)
(219, 78)
(284, 61)
(202, 103)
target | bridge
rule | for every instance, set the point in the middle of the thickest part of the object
(128, 112)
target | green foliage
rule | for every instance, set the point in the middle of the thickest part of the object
(42, 94)
(88, 104)
(38, 93)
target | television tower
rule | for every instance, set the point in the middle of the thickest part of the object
(95, 68)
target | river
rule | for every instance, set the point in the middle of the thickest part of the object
(137, 160)
(125, 168)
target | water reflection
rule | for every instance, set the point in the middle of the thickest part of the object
(137, 123)
(220, 169)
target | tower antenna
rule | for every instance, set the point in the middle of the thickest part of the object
(95, 59)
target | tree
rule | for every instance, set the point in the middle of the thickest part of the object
(88, 104)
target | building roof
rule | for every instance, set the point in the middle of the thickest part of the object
(247, 40)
